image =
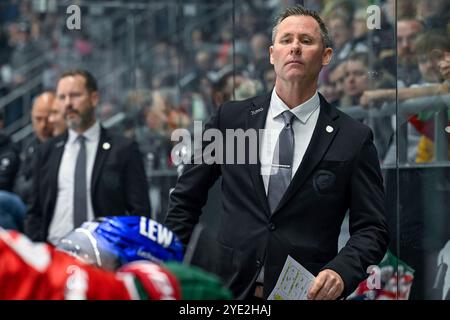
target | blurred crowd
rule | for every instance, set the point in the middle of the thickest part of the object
(164, 65)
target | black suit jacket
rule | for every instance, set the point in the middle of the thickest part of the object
(23, 184)
(118, 185)
(9, 163)
(339, 172)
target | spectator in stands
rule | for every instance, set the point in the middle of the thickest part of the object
(359, 26)
(160, 57)
(341, 34)
(42, 131)
(336, 77)
(359, 78)
(361, 75)
(356, 81)
(371, 40)
(433, 54)
(155, 145)
(85, 173)
(405, 8)
(234, 86)
(331, 86)
(339, 22)
(430, 48)
(222, 88)
(259, 56)
(153, 138)
(444, 67)
(407, 31)
(434, 13)
(200, 70)
(343, 8)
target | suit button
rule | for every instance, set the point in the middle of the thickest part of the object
(258, 264)
(272, 226)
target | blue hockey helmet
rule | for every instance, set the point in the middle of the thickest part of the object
(110, 242)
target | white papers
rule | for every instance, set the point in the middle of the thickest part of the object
(293, 282)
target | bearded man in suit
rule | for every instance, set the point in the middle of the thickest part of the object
(86, 172)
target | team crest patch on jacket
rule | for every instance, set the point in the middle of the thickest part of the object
(324, 181)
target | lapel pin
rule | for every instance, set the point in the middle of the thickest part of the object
(106, 146)
(329, 129)
(5, 162)
(256, 111)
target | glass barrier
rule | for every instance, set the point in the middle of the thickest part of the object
(163, 66)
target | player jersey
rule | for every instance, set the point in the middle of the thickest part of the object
(39, 271)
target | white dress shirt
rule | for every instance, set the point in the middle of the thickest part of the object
(303, 124)
(62, 221)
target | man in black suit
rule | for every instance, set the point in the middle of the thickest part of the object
(333, 166)
(42, 131)
(86, 172)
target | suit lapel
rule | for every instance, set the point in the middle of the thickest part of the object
(256, 119)
(320, 141)
(103, 148)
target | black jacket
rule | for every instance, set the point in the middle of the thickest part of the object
(9, 163)
(339, 172)
(119, 183)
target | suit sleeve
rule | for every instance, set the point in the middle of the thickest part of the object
(137, 198)
(33, 221)
(369, 235)
(191, 192)
(22, 184)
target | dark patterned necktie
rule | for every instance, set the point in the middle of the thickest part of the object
(80, 188)
(281, 170)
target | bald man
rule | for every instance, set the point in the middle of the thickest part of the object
(42, 130)
(40, 113)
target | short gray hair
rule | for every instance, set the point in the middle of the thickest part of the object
(299, 10)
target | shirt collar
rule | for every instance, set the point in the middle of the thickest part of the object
(303, 111)
(91, 134)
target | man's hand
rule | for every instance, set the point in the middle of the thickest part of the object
(371, 96)
(444, 66)
(328, 285)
